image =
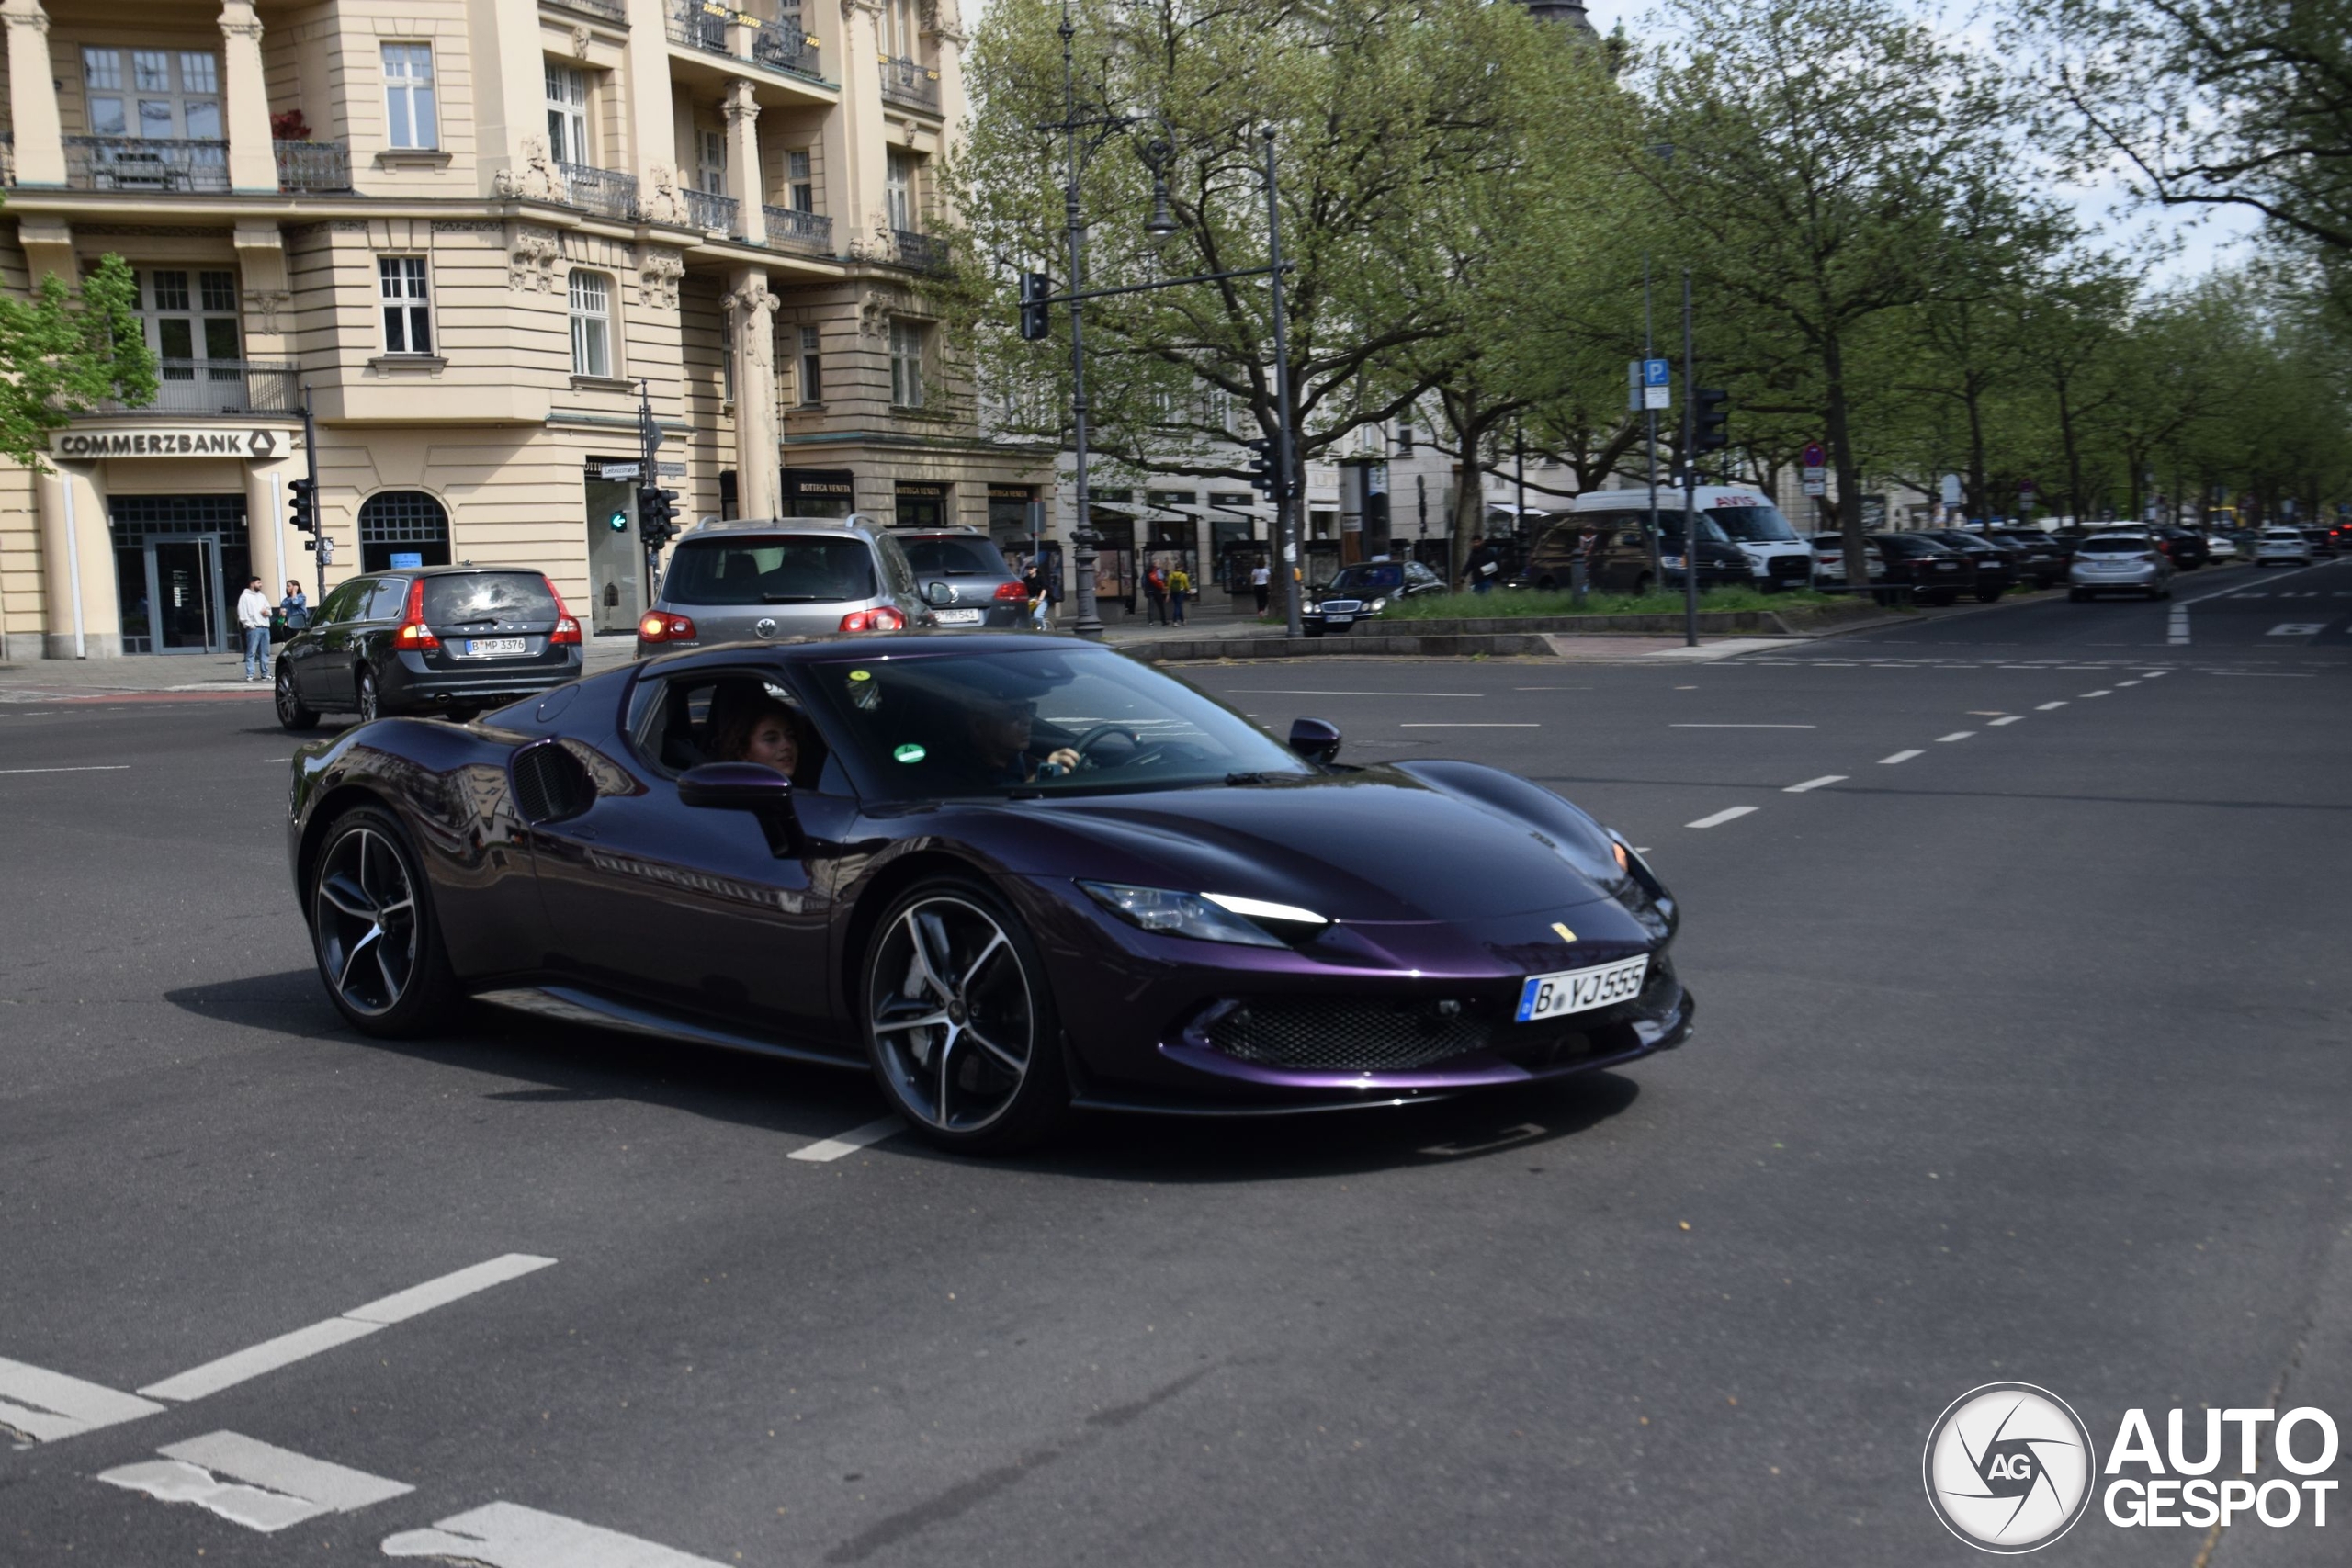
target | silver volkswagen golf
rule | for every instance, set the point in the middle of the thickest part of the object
(751, 579)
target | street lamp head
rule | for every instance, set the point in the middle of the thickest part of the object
(1157, 155)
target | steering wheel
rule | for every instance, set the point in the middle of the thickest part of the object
(1087, 742)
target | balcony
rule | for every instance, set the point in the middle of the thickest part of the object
(145, 164)
(599, 191)
(924, 253)
(312, 166)
(709, 210)
(224, 386)
(697, 26)
(786, 46)
(804, 231)
(909, 81)
(614, 11)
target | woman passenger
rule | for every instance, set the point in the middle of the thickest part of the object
(763, 731)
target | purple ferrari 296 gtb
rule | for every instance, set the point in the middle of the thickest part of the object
(1009, 874)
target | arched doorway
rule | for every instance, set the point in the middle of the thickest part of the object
(402, 528)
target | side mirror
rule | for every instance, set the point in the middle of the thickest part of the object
(740, 786)
(1317, 740)
(938, 594)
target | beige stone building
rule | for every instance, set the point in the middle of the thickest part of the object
(471, 228)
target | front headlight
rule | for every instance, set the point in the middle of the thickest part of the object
(1206, 916)
(1377, 605)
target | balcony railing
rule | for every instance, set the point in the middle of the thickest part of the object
(783, 46)
(145, 164)
(790, 226)
(911, 82)
(312, 166)
(692, 24)
(925, 252)
(599, 190)
(708, 209)
(224, 386)
(609, 10)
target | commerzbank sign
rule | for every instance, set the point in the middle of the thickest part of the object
(89, 445)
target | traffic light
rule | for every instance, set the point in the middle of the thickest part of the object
(304, 506)
(657, 515)
(1264, 473)
(1711, 409)
(1035, 287)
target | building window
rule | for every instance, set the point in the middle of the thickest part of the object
(711, 166)
(899, 33)
(408, 313)
(169, 94)
(401, 529)
(568, 114)
(190, 317)
(803, 184)
(906, 363)
(898, 192)
(727, 370)
(408, 96)
(592, 325)
(812, 367)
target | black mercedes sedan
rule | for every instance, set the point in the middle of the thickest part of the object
(450, 640)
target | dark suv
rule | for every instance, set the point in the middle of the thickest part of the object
(980, 589)
(1996, 559)
(445, 639)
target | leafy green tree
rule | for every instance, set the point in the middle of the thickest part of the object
(61, 355)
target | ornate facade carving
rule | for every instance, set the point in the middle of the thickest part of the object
(531, 257)
(36, 19)
(657, 280)
(662, 202)
(262, 306)
(537, 178)
(581, 37)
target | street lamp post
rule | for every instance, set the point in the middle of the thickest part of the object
(1083, 535)
(1285, 449)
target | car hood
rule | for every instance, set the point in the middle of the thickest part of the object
(1378, 845)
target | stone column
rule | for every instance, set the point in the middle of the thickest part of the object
(77, 568)
(244, 96)
(950, 40)
(32, 96)
(856, 149)
(266, 526)
(751, 318)
(744, 181)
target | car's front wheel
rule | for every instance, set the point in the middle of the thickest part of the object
(374, 932)
(960, 1023)
(291, 713)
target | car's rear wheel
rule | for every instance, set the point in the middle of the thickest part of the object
(960, 1024)
(374, 932)
(1986, 595)
(369, 707)
(291, 713)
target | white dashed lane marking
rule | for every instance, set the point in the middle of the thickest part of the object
(1814, 784)
(2050, 707)
(1742, 727)
(1436, 725)
(94, 768)
(507, 1535)
(1729, 814)
(2102, 692)
(1955, 735)
(2012, 718)
(46, 1405)
(1899, 757)
(279, 1487)
(849, 1143)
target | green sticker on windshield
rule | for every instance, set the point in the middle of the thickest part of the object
(910, 752)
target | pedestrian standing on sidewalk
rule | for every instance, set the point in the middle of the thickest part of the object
(1260, 581)
(1033, 583)
(1481, 567)
(253, 610)
(295, 607)
(1180, 585)
(1155, 593)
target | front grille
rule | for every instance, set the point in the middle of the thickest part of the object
(1344, 606)
(1347, 1037)
(1790, 566)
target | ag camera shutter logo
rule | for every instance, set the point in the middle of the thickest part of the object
(2008, 1468)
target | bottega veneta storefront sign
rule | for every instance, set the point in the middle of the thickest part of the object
(90, 445)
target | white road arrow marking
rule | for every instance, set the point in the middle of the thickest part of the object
(507, 1535)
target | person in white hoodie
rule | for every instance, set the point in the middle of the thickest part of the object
(252, 616)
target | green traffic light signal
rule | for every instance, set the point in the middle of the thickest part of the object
(618, 522)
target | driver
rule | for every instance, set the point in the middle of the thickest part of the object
(999, 731)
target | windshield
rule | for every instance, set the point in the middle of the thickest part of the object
(769, 570)
(953, 557)
(1669, 527)
(928, 725)
(481, 597)
(1910, 545)
(1753, 523)
(1368, 577)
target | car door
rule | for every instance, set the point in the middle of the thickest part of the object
(696, 909)
(320, 657)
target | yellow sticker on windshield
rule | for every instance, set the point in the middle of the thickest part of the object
(861, 674)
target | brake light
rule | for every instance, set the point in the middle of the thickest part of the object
(882, 618)
(1012, 590)
(413, 634)
(660, 626)
(567, 630)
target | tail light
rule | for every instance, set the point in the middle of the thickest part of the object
(413, 634)
(1012, 590)
(660, 626)
(882, 618)
(567, 630)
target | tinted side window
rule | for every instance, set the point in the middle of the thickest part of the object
(389, 598)
(343, 605)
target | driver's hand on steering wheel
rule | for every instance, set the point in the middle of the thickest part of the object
(1059, 763)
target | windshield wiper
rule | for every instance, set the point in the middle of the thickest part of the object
(477, 621)
(792, 599)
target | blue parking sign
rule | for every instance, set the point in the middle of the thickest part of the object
(1657, 373)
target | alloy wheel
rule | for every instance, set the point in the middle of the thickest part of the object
(367, 697)
(290, 706)
(364, 912)
(951, 1014)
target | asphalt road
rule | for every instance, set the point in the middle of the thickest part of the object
(2023, 1053)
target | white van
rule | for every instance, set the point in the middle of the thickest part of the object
(1778, 555)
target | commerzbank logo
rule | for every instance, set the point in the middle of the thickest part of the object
(2009, 1467)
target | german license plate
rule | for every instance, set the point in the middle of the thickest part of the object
(1581, 990)
(960, 617)
(494, 647)
(1339, 620)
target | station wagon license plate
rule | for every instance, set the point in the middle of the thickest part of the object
(494, 647)
(960, 617)
(1581, 990)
